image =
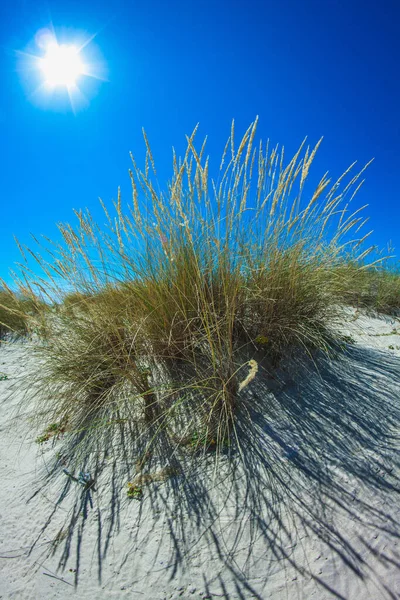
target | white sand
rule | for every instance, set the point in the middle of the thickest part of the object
(314, 514)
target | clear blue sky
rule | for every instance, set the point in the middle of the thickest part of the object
(327, 67)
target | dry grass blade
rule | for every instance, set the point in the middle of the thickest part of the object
(154, 316)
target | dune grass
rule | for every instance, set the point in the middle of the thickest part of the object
(162, 313)
(17, 311)
(376, 288)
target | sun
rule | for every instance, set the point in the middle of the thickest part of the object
(61, 69)
(61, 65)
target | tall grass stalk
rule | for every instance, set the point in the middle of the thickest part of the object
(160, 311)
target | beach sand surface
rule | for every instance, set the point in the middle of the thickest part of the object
(310, 511)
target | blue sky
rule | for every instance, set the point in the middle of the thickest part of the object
(317, 68)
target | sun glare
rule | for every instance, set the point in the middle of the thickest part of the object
(61, 69)
(61, 65)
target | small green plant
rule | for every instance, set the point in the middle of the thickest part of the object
(134, 491)
(3, 377)
(41, 439)
(52, 430)
(203, 440)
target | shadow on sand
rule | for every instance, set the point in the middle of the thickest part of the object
(315, 477)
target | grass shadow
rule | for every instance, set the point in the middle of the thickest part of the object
(315, 458)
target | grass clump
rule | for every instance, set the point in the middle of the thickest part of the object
(22, 312)
(167, 306)
(14, 313)
(376, 288)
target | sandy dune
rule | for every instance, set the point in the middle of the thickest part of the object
(311, 510)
